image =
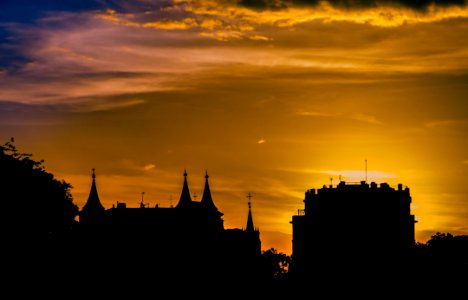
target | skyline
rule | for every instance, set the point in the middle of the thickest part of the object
(269, 97)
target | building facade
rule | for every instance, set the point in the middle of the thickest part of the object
(352, 225)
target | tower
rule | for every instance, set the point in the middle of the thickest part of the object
(250, 226)
(93, 211)
(353, 225)
(185, 200)
(207, 200)
(252, 234)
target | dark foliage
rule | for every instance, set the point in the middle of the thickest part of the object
(275, 264)
(444, 250)
(35, 205)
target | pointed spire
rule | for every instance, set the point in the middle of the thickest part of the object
(207, 200)
(250, 225)
(185, 198)
(93, 210)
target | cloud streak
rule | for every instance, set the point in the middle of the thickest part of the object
(348, 175)
(446, 123)
(351, 4)
(357, 117)
(227, 16)
(80, 60)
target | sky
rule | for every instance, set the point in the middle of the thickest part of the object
(270, 97)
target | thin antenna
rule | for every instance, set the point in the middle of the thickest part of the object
(331, 181)
(366, 169)
(249, 195)
(142, 204)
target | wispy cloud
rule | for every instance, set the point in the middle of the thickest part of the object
(366, 118)
(149, 167)
(357, 117)
(358, 175)
(222, 15)
(261, 141)
(446, 123)
(71, 59)
(348, 175)
(315, 114)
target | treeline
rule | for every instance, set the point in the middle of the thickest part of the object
(443, 250)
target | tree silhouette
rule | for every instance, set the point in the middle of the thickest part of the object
(35, 205)
(447, 249)
(275, 264)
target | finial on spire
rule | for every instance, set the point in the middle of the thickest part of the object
(185, 172)
(94, 173)
(206, 174)
(250, 197)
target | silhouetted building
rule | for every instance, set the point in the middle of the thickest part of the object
(93, 212)
(352, 225)
(243, 246)
(183, 239)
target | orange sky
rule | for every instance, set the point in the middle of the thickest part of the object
(272, 100)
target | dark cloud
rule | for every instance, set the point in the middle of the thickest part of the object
(16, 13)
(26, 11)
(269, 4)
(349, 4)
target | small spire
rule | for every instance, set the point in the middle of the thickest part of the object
(206, 174)
(185, 172)
(94, 173)
(250, 225)
(142, 204)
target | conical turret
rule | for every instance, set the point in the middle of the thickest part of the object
(93, 211)
(185, 198)
(207, 200)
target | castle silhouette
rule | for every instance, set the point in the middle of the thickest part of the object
(182, 239)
